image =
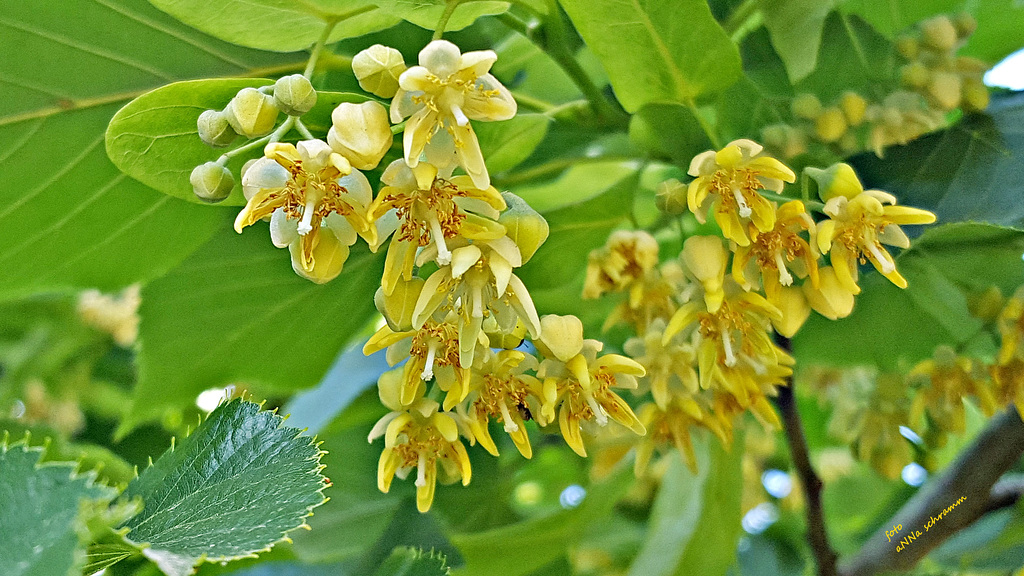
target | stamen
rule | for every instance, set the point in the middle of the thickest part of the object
(305, 225)
(730, 357)
(887, 265)
(444, 256)
(741, 202)
(421, 470)
(506, 417)
(428, 365)
(784, 277)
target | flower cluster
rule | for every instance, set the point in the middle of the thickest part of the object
(707, 323)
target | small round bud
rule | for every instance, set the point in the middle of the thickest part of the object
(397, 308)
(671, 197)
(214, 129)
(294, 95)
(361, 133)
(524, 225)
(908, 47)
(972, 66)
(212, 182)
(251, 113)
(849, 143)
(377, 68)
(944, 88)
(853, 106)
(965, 25)
(975, 95)
(836, 180)
(939, 33)
(831, 125)
(806, 106)
(774, 136)
(914, 75)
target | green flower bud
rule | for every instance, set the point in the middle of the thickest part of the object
(361, 133)
(853, 106)
(972, 66)
(831, 125)
(939, 33)
(214, 129)
(908, 47)
(975, 94)
(212, 182)
(671, 197)
(251, 113)
(965, 25)
(836, 180)
(294, 95)
(524, 225)
(806, 106)
(914, 75)
(944, 88)
(397, 308)
(377, 68)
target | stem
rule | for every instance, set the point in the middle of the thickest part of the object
(272, 137)
(709, 130)
(449, 9)
(809, 204)
(532, 102)
(514, 23)
(303, 130)
(741, 19)
(817, 536)
(971, 476)
(314, 54)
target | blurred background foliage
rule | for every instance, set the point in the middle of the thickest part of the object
(188, 307)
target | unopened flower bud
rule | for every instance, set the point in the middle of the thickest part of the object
(212, 182)
(908, 47)
(944, 88)
(671, 197)
(795, 310)
(706, 258)
(251, 113)
(836, 180)
(830, 299)
(914, 75)
(397, 308)
(853, 106)
(214, 129)
(975, 95)
(972, 66)
(524, 225)
(939, 33)
(294, 95)
(561, 336)
(361, 133)
(965, 25)
(830, 125)
(377, 68)
(806, 106)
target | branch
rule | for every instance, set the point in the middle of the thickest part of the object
(824, 555)
(971, 476)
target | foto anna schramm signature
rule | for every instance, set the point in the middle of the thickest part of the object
(911, 536)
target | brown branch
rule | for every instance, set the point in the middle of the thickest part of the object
(824, 555)
(972, 476)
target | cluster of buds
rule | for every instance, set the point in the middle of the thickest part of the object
(935, 81)
(704, 322)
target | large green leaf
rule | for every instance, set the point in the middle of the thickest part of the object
(236, 486)
(889, 325)
(238, 312)
(695, 521)
(668, 131)
(970, 172)
(279, 25)
(654, 50)
(414, 562)
(40, 508)
(795, 27)
(68, 217)
(506, 144)
(854, 57)
(426, 13)
(155, 140)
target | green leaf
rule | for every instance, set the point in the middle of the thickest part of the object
(154, 139)
(668, 131)
(279, 25)
(40, 504)
(795, 27)
(889, 325)
(426, 13)
(68, 218)
(970, 172)
(238, 312)
(235, 487)
(854, 57)
(506, 144)
(101, 556)
(527, 69)
(414, 562)
(695, 521)
(655, 50)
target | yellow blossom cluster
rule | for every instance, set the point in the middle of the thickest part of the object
(707, 323)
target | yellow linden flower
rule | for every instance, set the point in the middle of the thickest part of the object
(421, 437)
(1009, 379)
(858, 227)
(503, 392)
(625, 259)
(578, 382)
(433, 353)
(442, 94)
(706, 261)
(316, 203)
(944, 380)
(1011, 327)
(428, 211)
(728, 183)
(478, 282)
(672, 424)
(669, 366)
(774, 253)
